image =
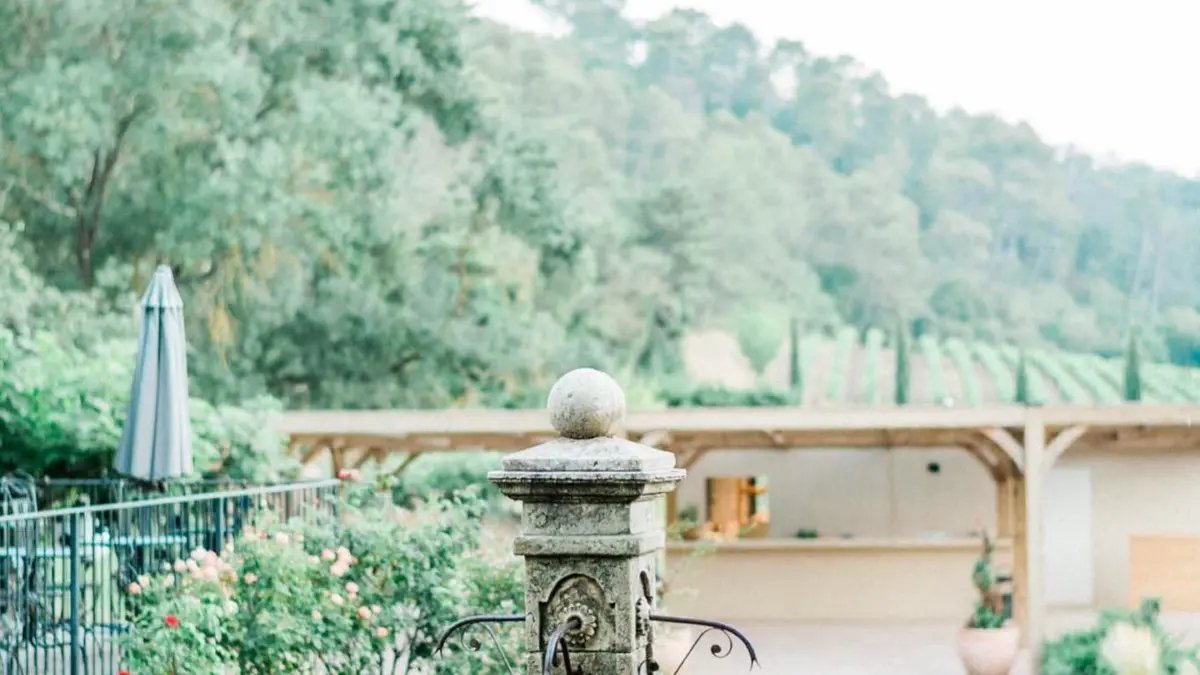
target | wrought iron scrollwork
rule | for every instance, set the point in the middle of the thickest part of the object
(724, 633)
(468, 641)
(557, 651)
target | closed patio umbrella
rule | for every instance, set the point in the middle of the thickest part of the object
(156, 444)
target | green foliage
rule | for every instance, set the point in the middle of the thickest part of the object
(760, 332)
(1176, 384)
(62, 409)
(1133, 371)
(1069, 388)
(449, 474)
(843, 351)
(313, 595)
(720, 397)
(1021, 384)
(1088, 371)
(872, 391)
(903, 364)
(795, 372)
(1082, 652)
(63, 396)
(989, 608)
(934, 376)
(997, 371)
(965, 365)
(374, 203)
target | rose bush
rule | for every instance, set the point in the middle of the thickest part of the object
(366, 591)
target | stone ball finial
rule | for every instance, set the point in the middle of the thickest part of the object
(586, 403)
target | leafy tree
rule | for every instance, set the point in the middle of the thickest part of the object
(1132, 384)
(1021, 386)
(384, 203)
(760, 333)
(903, 364)
(795, 377)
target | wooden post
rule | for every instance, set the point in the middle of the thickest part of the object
(1035, 484)
(1004, 505)
(1020, 553)
(672, 509)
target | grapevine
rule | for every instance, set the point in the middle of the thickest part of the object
(999, 372)
(871, 358)
(1068, 388)
(1088, 372)
(1037, 383)
(836, 385)
(933, 367)
(961, 356)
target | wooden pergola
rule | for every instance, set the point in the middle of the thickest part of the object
(1018, 445)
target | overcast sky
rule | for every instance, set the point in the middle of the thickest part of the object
(1118, 78)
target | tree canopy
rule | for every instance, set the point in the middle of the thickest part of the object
(378, 203)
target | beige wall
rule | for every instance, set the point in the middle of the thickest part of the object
(1149, 494)
(862, 580)
(867, 493)
(880, 493)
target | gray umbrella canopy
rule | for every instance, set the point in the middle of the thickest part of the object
(156, 443)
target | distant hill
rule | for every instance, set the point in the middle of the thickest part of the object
(843, 371)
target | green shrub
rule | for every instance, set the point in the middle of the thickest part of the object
(62, 408)
(449, 474)
(317, 594)
(989, 607)
(720, 397)
(760, 332)
(1082, 652)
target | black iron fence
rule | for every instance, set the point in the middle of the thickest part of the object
(57, 493)
(64, 573)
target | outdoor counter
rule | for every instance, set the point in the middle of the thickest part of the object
(827, 579)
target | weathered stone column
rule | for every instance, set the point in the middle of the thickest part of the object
(590, 529)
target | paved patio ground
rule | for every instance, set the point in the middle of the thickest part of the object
(873, 649)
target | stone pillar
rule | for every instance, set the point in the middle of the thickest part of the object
(590, 529)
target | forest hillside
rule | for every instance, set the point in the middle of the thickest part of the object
(393, 204)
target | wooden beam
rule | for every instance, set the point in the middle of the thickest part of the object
(1009, 445)
(989, 461)
(412, 457)
(689, 460)
(312, 451)
(1064, 440)
(656, 439)
(376, 454)
(338, 455)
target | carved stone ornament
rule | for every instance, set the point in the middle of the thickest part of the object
(578, 637)
(579, 597)
(643, 617)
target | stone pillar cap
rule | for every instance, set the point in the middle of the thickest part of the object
(585, 406)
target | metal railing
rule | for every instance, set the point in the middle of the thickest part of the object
(64, 573)
(58, 493)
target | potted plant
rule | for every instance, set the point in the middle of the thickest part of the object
(689, 525)
(988, 644)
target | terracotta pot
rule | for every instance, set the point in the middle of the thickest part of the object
(698, 532)
(989, 651)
